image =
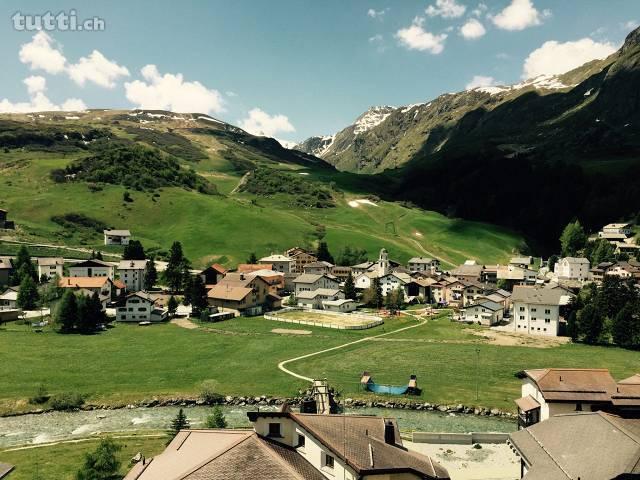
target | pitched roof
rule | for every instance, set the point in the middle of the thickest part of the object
(275, 258)
(420, 260)
(225, 455)
(144, 295)
(45, 262)
(118, 233)
(5, 263)
(83, 282)
(10, 295)
(521, 260)
(312, 278)
(252, 267)
(574, 384)
(580, 445)
(538, 296)
(228, 292)
(92, 262)
(318, 264)
(488, 304)
(132, 264)
(467, 270)
(578, 260)
(326, 292)
(627, 392)
(217, 268)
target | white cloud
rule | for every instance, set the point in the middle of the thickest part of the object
(38, 101)
(520, 14)
(376, 38)
(98, 69)
(481, 81)
(472, 29)
(479, 10)
(230, 93)
(172, 92)
(35, 84)
(554, 57)
(261, 123)
(415, 37)
(379, 14)
(446, 9)
(40, 54)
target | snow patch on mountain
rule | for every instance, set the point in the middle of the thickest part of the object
(371, 118)
(547, 82)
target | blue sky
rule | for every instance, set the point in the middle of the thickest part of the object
(291, 68)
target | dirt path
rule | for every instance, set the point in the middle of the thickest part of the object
(184, 323)
(62, 247)
(282, 364)
(242, 181)
(431, 254)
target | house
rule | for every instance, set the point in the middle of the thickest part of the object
(103, 286)
(4, 223)
(572, 268)
(213, 274)
(484, 313)
(536, 310)
(117, 237)
(50, 267)
(292, 446)
(514, 275)
(362, 268)
(626, 398)
(246, 294)
(599, 271)
(469, 270)
(423, 264)
(489, 274)
(84, 292)
(553, 391)
(252, 267)
(318, 268)
(132, 274)
(279, 263)
(420, 287)
(276, 280)
(390, 283)
(9, 299)
(587, 446)
(624, 270)
(499, 296)
(308, 282)
(522, 262)
(472, 291)
(92, 268)
(343, 305)
(140, 307)
(447, 291)
(314, 299)
(6, 269)
(615, 228)
(340, 272)
(299, 257)
(628, 246)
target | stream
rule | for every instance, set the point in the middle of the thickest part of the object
(57, 426)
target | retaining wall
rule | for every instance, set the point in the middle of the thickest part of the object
(459, 438)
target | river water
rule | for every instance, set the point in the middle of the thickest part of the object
(56, 426)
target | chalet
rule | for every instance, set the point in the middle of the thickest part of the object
(572, 268)
(514, 275)
(594, 445)
(423, 264)
(420, 287)
(484, 313)
(536, 311)
(246, 294)
(279, 263)
(92, 268)
(318, 268)
(315, 299)
(308, 283)
(9, 299)
(276, 280)
(499, 296)
(364, 280)
(140, 307)
(626, 398)
(299, 257)
(213, 274)
(249, 268)
(489, 274)
(296, 446)
(624, 270)
(50, 267)
(362, 268)
(599, 271)
(117, 237)
(103, 286)
(341, 272)
(628, 246)
(132, 274)
(522, 262)
(6, 270)
(4, 223)
(392, 281)
(615, 229)
(469, 270)
(552, 391)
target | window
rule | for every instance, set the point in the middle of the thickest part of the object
(274, 430)
(328, 461)
(301, 441)
(547, 311)
(546, 320)
(521, 317)
(533, 309)
(522, 309)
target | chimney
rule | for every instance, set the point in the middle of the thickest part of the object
(242, 276)
(389, 433)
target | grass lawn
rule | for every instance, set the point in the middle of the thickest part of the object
(61, 461)
(130, 363)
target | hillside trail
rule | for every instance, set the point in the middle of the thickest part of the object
(282, 364)
(242, 181)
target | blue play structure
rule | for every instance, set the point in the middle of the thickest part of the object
(410, 389)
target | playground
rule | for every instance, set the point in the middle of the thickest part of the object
(326, 319)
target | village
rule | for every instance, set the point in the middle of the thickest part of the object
(527, 299)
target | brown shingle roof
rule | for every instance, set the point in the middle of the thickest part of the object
(82, 282)
(251, 267)
(574, 384)
(228, 292)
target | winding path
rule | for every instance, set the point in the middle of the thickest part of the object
(282, 364)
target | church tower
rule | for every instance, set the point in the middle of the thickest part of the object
(383, 263)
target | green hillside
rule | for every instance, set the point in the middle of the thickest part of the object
(227, 222)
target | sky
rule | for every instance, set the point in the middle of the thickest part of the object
(290, 68)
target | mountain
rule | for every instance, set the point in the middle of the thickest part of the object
(220, 191)
(531, 156)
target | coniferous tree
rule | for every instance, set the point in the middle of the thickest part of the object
(23, 266)
(350, 288)
(198, 296)
(150, 274)
(175, 267)
(172, 305)
(253, 259)
(379, 297)
(187, 288)
(216, 419)
(67, 315)
(572, 239)
(134, 251)
(180, 422)
(28, 296)
(323, 254)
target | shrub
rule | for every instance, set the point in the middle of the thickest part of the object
(208, 393)
(67, 401)
(41, 396)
